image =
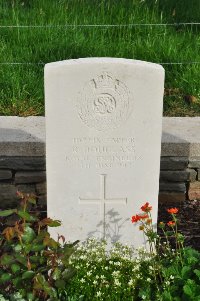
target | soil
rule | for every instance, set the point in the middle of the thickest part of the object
(189, 221)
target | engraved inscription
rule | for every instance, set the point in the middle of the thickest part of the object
(102, 201)
(104, 103)
(99, 152)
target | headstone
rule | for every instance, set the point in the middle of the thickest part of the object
(103, 141)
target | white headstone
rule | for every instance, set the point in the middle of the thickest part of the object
(103, 141)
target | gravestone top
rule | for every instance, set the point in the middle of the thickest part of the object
(103, 141)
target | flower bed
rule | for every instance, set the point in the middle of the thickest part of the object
(34, 266)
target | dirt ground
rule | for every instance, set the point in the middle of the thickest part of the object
(189, 221)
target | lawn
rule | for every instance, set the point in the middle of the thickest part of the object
(21, 85)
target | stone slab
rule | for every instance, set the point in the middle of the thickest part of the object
(23, 163)
(173, 163)
(22, 136)
(25, 136)
(194, 191)
(181, 136)
(173, 187)
(178, 176)
(171, 197)
(5, 174)
(194, 162)
(30, 177)
(107, 114)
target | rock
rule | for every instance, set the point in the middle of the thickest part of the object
(194, 162)
(41, 188)
(22, 163)
(171, 197)
(5, 174)
(8, 197)
(30, 177)
(173, 163)
(173, 187)
(178, 176)
(194, 191)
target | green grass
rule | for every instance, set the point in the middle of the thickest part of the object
(21, 86)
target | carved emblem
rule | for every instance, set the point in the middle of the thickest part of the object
(104, 103)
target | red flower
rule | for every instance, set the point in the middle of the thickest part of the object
(173, 210)
(135, 218)
(143, 216)
(146, 207)
(171, 223)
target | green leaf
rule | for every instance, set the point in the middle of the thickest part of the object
(54, 223)
(17, 281)
(7, 212)
(60, 283)
(28, 235)
(21, 259)
(197, 272)
(6, 259)
(15, 268)
(28, 275)
(185, 272)
(26, 216)
(37, 248)
(5, 277)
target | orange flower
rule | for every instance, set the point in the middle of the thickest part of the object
(146, 207)
(173, 210)
(148, 221)
(171, 223)
(161, 225)
(135, 218)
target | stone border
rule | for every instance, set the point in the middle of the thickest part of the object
(25, 136)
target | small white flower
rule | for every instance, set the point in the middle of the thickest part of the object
(106, 268)
(95, 282)
(143, 297)
(97, 276)
(171, 277)
(130, 283)
(82, 280)
(89, 273)
(148, 279)
(99, 294)
(102, 277)
(167, 283)
(117, 283)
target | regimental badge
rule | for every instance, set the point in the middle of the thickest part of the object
(104, 103)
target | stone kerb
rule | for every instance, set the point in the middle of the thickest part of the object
(22, 159)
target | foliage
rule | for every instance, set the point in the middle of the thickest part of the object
(21, 86)
(32, 263)
(167, 272)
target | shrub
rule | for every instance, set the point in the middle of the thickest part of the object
(32, 263)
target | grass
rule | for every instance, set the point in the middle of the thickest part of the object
(21, 86)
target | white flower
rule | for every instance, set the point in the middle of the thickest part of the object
(97, 276)
(89, 273)
(95, 282)
(102, 277)
(115, 273)
(130, 283)
(143, 297)
(99, 294)
(171, 277)
(148, 279)
(167, 283)
(82, 280)
(106, 268)
(117, 283)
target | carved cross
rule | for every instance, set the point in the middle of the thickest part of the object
(102, 201)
